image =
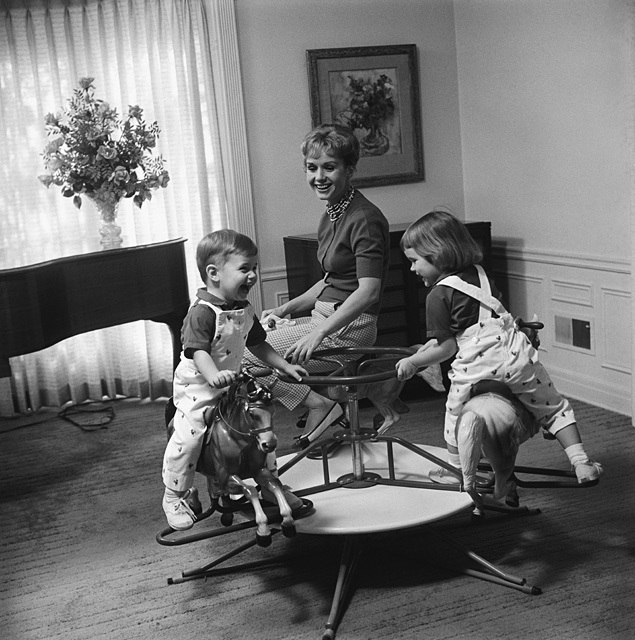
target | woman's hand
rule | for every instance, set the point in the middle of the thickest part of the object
(303, 349)
(276, 311)
(405, 369)
(294, 371)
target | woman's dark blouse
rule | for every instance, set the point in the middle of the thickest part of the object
(355, 246)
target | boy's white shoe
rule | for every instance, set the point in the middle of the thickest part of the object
(177, 509)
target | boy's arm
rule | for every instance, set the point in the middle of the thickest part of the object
(265, 352)
(206, 365)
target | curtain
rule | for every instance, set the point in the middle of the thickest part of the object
(177, 60)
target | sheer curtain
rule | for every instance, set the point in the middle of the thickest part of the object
(177, 60)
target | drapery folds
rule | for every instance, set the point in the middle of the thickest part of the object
(177, 60)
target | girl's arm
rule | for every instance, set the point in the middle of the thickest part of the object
(206, 365)
(432, 352)
(265, 352)
(366, 294)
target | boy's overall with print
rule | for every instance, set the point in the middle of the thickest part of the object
(193, 395)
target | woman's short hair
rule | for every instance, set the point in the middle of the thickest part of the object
(443, 241)
(215, 248)
(336, 140)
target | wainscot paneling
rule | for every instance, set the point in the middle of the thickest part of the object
(564, 285)
(593, 363)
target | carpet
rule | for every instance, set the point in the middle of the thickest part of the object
(80, 508)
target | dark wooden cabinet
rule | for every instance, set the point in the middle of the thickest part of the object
(402, 320)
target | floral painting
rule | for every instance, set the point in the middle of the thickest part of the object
(368, 102)
(374, 91)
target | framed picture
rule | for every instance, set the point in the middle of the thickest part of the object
(375, 91)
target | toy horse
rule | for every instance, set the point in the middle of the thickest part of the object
(239, 437)
(493, 423)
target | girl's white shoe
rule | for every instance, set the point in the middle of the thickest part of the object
(588, 470)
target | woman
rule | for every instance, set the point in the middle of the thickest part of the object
(353, 250)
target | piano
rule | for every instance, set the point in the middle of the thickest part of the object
(42, 304)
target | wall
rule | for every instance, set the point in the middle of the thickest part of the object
(544, 102)
(273, 38)
(525, 113)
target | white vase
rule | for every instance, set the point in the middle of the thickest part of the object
(109, 230)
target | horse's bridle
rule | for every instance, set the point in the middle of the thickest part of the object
(259, 397)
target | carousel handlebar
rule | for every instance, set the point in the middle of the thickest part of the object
(327, 380)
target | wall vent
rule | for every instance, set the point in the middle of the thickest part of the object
(574, 332)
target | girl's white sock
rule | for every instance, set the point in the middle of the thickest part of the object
(576, 454)
(454, 459)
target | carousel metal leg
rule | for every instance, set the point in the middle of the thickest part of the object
(208, 570)
(492, 573)
(348, 564)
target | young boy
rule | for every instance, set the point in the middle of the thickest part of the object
(218, 326)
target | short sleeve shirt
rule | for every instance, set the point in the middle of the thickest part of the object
(448, 311)
(355, 246)
(199, 326)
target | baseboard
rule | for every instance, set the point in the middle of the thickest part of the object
(591, 391)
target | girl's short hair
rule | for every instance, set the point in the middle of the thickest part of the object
(336, 140)
(443, 241)
(215, 248)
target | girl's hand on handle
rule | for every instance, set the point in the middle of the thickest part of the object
(405, 369)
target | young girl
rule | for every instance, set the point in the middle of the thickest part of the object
(466, 320)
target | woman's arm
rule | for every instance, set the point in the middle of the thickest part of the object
(265, 352)
(366, 294)
(302, 302)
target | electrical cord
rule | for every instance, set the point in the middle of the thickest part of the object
(74, 414)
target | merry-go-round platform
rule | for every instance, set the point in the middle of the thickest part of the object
(359, 482)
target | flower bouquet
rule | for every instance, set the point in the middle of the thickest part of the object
(372, 105)
(94, 152)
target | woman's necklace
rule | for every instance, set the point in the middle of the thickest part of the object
(337, 210)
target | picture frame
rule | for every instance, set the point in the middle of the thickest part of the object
(375, 91)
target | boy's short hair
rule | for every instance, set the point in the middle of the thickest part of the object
(215, 248)
(337, 140)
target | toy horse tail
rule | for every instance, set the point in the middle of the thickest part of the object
(471, 430)
(489, 425)
(501, 449)
(502, 444)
